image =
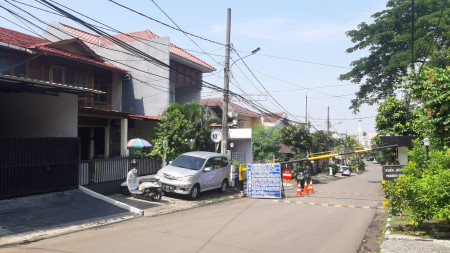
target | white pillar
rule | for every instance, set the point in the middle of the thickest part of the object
(123, 136)
(91, 142)
(107, 136)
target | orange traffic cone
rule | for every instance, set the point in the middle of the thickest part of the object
(311, 189)
(305, 188)
(299, 190)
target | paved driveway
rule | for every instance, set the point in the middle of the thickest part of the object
(40, 216)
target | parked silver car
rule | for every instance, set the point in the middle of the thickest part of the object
(345, 171)
(195, 172)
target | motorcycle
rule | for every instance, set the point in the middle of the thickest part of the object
(149, 188)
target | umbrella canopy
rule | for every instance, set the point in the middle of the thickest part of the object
(138, 143)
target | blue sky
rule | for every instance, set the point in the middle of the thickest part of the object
(302, 43)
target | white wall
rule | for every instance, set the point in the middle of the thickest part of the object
(402, 155)
(147, 93)
(38, 115)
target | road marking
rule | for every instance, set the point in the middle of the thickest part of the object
(350, 193)
(329, 205)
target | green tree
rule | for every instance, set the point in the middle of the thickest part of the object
(431, 87)
(424, 188)
(388, 40)
(180, 123)
(297, 136)
(266, 142)
(394, 118)
(320, 140)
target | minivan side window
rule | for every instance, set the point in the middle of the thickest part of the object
(209, 163)
(224, 162)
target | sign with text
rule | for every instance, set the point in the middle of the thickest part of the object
(264, 180)
(216, 136)
(287, 174)
(391, 172)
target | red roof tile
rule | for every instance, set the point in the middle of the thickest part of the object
(96, 40)
(19, 39)
(144, 117)
(211, 102)
(270, 118)
(78, 58)
(35, 43)
(285, 149)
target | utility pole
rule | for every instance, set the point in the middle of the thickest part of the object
(306, 111)
(226, 87)
(328, 129)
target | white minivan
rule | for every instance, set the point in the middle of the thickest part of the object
(195, 172)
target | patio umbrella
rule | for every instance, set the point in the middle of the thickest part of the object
(138, 143)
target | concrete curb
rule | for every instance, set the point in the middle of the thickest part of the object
(111, 201)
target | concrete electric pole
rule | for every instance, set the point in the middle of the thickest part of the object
(226, 83)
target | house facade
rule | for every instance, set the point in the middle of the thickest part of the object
(160, 72)
(42, 85)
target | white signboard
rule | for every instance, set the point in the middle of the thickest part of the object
(216, 136)
(264, 181)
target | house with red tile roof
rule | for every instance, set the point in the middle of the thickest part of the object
(160, 72)
(42, 87)
(238, 116)
(274, 120)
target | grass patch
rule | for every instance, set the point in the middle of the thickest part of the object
(214, 201)
(433, 229)
(381, 237)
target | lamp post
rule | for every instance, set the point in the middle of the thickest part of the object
(226, 91)
(426, 143)
(254, 51)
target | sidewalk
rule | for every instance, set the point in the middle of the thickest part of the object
(41, 216)
(409, 244)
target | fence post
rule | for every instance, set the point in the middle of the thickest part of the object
(91, 166)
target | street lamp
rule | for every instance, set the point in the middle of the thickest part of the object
(426, 143)
(226, 89)
(254, 51)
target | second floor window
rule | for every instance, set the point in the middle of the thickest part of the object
(13, 65)
(65, 76)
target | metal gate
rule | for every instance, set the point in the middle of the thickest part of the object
(31, 166)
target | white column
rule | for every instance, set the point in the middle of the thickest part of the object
(123, 136)
(91, 142)
(107, 136)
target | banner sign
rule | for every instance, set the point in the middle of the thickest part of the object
(264, 180)
(391, 172)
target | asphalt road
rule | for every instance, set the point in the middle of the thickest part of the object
(334, 219)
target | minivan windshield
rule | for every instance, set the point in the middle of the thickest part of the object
(189, 162)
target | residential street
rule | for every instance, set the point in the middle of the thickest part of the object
(243, 225)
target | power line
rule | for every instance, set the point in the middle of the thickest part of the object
(134, 50)
(141, 14)
(185, 33)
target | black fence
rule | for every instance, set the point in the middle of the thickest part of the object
(111, 169)
(31, 166)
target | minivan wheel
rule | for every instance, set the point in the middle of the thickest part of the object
(223, 186)
(124, 190)
(194, 192)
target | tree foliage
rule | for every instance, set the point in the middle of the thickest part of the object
(320, 140)
(432, 88)
(266, 142)
(424, 188)
(180, 123)
(388, 40)
(298, 137)
(394, 117)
